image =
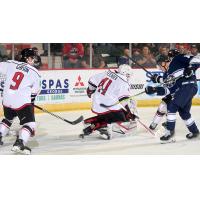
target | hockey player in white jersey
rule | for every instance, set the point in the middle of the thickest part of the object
(108, 87)
(163, 63)
(21, 86)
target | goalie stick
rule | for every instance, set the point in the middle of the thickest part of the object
(70, 122)
(107, 106)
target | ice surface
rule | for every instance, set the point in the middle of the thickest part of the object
(53, 136)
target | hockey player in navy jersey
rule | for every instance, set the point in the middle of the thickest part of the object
(163, 63)
(180, 82)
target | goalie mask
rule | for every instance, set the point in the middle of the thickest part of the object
(125, 70)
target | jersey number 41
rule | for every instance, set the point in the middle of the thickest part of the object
(104, 85)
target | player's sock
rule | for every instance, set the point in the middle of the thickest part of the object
(24, 135)
(5, 127)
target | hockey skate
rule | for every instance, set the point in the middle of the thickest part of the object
(153, 126)
(167, 137)
(86, 131)
(19, 147)
(104, 133)
(192, 135)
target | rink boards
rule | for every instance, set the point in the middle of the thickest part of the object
(66, 89)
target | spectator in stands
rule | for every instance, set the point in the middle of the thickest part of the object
(163, 51)
(103, 64)
(72, 54)
(96, 58)
(56, 49)
(37, 60)
(183, 48)
(146, 59)
(194, 50)
(3, 53)
(45, 48)
(84, 64)
(125, 58)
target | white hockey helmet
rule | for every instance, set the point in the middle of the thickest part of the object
(125, 70)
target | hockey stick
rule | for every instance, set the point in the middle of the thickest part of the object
(147, 128)
(107, 106)
(148, 72)
(135, 62)
(138, 119)
(70, 122)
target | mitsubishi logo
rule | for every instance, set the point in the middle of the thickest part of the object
(79, 82)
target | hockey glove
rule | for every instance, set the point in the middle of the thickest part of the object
(167, 98)
(90, 92)
(156, 78)
(187, 72)
(33, 96)
(150, 90)
(128, 114)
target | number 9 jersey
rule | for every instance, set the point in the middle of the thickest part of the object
(22, 81)
(109, 87)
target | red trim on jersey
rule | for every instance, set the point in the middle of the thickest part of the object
(27, 104)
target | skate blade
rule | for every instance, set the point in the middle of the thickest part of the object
(171, 140)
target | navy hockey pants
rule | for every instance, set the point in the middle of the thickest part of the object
(181, 103)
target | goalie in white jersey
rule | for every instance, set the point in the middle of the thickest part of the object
(21, 86)
(108, 88)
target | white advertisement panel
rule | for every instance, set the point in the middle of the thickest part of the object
(69, 86)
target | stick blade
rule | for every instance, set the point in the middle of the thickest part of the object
(77, 121)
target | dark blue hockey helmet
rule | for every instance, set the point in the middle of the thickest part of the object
(173, 52)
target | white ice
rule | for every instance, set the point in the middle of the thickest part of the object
(54, 136)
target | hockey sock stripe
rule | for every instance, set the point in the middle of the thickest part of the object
(28, 129)
(189, 121)
(5, 125)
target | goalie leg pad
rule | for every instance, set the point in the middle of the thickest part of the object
(124, 127)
